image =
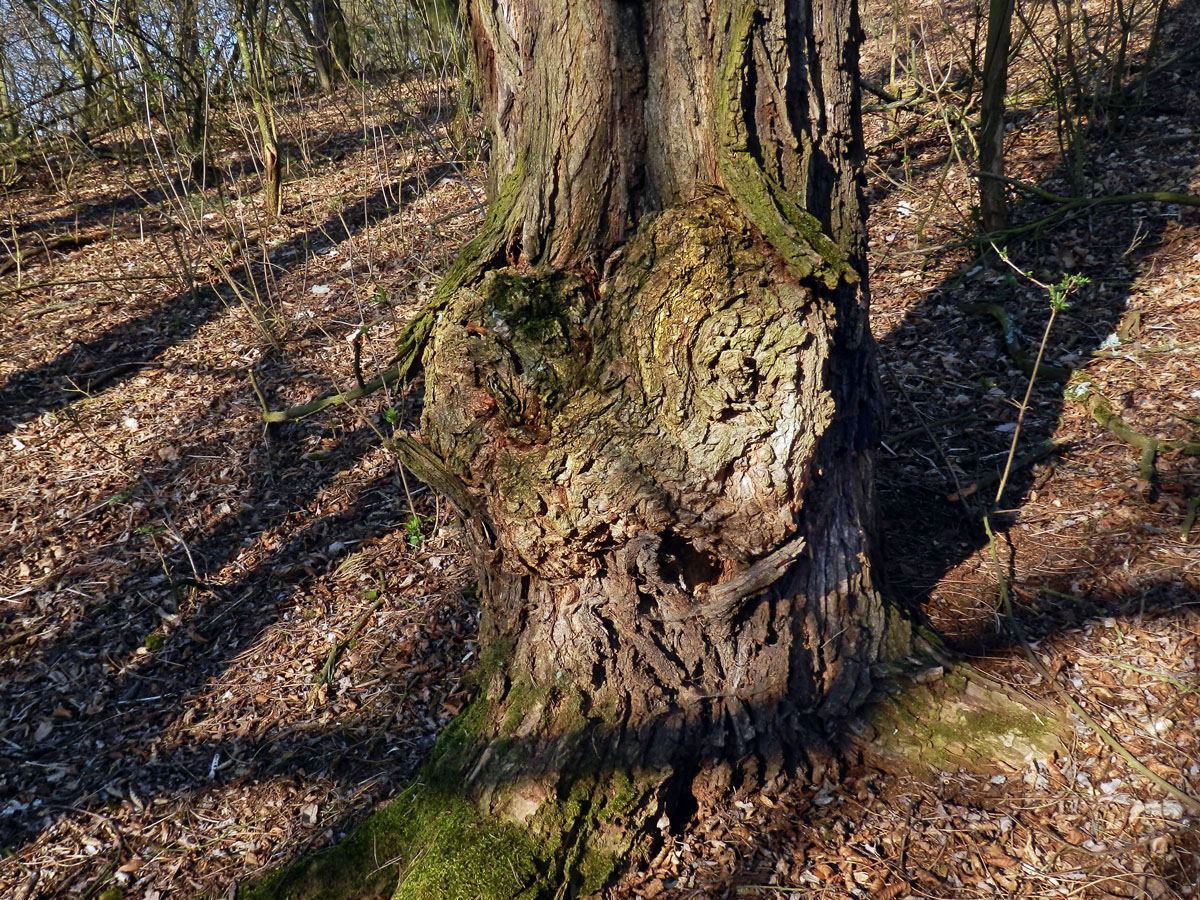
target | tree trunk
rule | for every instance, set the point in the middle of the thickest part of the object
(652, 389)
(660, 393)
(993, 202)
(250, 29)
(332, 40)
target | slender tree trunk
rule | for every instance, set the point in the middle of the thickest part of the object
(73, 45)
(338, 36)
(652, 393)
(10, 118)
(192, 90)
(250, 28)
(993, 203)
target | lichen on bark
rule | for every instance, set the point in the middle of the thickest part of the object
(650, 391)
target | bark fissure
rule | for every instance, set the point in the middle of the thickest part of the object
(651, 383)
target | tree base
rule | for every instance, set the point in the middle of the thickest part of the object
(570, 836)
(529, 839)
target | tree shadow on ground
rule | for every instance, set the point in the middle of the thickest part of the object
(110, 680)
(117, 354)
(945, 361)
(97, 654)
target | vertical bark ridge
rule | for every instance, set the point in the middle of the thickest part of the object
(610, 109)
(657, 393)
(563, 84)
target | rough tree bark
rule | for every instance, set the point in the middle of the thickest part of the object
(652, 391)
(993, 202)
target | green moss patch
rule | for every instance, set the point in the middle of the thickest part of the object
(439, 841)
(958, 719)
(426, 845)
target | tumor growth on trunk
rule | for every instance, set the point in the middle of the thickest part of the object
(651, 394)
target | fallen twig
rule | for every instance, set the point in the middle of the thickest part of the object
(409, 346)
(1044, 449)
(18, 257)
(1070, 204)
(325, 676)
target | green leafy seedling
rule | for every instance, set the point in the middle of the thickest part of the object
(123, 497)
(415, 528)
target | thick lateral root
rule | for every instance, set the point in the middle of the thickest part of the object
(1150, 447)
(951, 717)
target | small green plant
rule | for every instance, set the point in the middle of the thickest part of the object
(123, 497)
(1065, 287)
(149, 529)
(392, 415)
(1058, 294)
(154, 642)
(415, 529)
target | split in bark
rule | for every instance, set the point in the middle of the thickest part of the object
(651, 388)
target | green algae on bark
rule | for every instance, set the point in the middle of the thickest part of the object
(949, 716)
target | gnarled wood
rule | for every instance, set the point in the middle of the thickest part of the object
(656, 396)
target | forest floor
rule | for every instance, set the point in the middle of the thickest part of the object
(220, 646)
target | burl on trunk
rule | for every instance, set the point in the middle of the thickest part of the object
(652, 387)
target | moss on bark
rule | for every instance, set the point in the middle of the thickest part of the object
(948, 716)
(458, 832)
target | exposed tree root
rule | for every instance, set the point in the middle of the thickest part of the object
(531, 837)
(945, 715)
(1105, 416)
(564, 817)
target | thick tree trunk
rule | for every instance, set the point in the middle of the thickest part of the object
(660, 391)
(652, 388)
(660, 398)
